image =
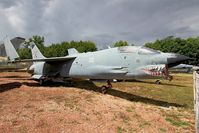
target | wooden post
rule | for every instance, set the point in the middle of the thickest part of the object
(196, 96)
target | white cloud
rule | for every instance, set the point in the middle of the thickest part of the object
(136, 21)
(15, 19)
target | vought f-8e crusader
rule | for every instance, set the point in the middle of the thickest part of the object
(129, 62)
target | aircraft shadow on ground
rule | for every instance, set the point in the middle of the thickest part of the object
(9, 86)
(14, 77)
(86, 85)
(14, 85)
(128, 96)
(158, 84)
(34, 84)
(137, 98)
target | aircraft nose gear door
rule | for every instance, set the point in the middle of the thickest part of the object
(104, 88)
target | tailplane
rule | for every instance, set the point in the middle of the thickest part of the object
(10, 50)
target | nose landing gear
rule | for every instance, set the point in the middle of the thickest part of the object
(166, 73)
(158, 82)
(104, 88)
(170, 77)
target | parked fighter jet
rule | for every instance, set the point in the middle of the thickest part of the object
(182, 68)
(129, 62)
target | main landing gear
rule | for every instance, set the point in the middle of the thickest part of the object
(104, 88)
(41, 82)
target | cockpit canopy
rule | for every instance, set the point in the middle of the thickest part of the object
(137, 49)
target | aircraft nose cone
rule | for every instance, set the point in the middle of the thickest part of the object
(176, 59)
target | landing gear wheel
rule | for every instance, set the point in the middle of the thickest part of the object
(68, 83)
(158, 82)
(104, 89)
(41, 82)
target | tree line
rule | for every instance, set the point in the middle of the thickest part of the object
(55, 50)
(188, 47)
(60, 49)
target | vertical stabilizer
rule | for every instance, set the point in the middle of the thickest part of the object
(10, 50)
(36, 54)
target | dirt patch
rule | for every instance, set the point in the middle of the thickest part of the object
(27, 107)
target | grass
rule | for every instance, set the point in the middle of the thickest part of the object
(23, 129)
(72, 104)
(178, 92)
(129, 109)
(57, 99)
(124, 117)
(144, 123)
(162, 130)
(177, 123)
(120, 130)
(182, 118)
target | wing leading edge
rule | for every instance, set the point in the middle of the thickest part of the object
(53, 59)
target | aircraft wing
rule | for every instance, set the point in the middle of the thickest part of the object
(52, 59)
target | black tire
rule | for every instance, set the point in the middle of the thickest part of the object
(104, 89)
(41, 82)
(158, 82)
(170, 78)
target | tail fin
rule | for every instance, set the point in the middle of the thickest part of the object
(36, 54)
(10, 50)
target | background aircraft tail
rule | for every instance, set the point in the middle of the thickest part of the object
(36, 54)
(72, 51)
(10, 50)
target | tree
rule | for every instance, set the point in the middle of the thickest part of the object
(38, 40)
(24, 53)
(188, 47)
(55, 50)
(120, 43)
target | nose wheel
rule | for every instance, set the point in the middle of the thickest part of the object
(170, 78)
(158, 82)
(104, 89)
